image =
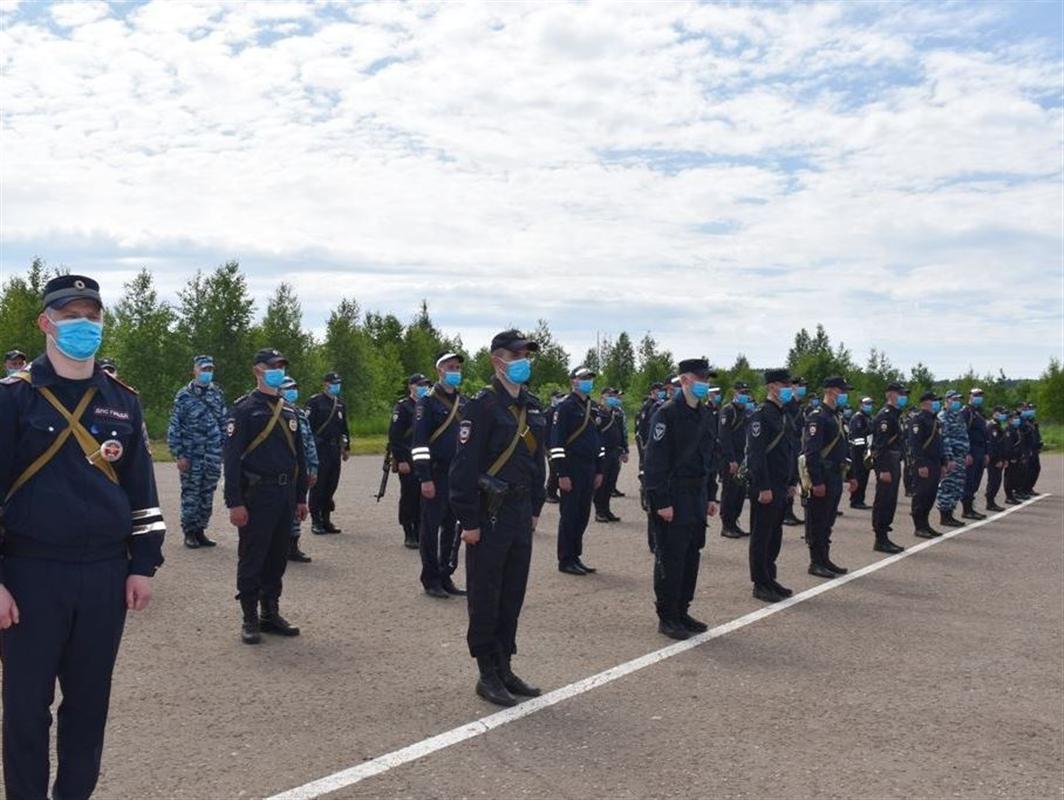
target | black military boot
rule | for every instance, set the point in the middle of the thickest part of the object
(490, 685)
(250, 630)
(273, 622)
(991, 505)
(191, 539)
(201, 537)
(947, 520)
(410, 536)
(970, 512)
(692, 624)
(513, 684)
(673, 628)
(327, 523)
(295, 554)
(317, 527)
(731, 532)
(448, 586)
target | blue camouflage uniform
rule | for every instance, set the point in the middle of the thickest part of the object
(195, 433)
(310, 454)
(955, 446)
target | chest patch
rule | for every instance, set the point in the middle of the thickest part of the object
(465, 430)
(883, 426)
(293, 425)
(230, 428)
(812, 429)
(916, 428)
(111, 413)
(755, 428)
(111, 450)
(659, 431)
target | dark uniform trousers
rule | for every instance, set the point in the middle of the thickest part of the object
(263, 543)
(72, 618)
(1034, 469)
(860, 473)
(552, 480)
(924, 492)
(439, 531)
(1015, 477)
(321, 493)
(766, 536)
(496, 576)
(611, 472)
(886, 500)
(677, 554)
(820, 516)
(973, 475)
(732, 495)
(993, 482)
(575, 508)
(409, 500)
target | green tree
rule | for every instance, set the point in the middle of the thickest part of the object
(282, 329)
(920, 380)
(1049, 393)
(551, 362)
(20, 304)
(619, 366)
(654, 365)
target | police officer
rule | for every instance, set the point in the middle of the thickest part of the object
(1015, 468)
(929, 460)
(955, 442)
(290, 393)
(656, 397)
(773, 479)
(435, 439)
(1033, 436)
(577, 452)
(265, 487)
(860, 431)
(733, 421)
(400, 439)
(682, 490)
(14, 361)
(975, 424)
(332, 438)
(83, 536)
(997, 454)
(552, 474)
(496, 485)
(887, 440)
(826, 456)
(195, 440)
(609, 418)
(795, 414)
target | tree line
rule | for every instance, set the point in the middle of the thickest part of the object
(153, 342)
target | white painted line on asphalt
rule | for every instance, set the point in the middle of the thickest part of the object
(367, 769)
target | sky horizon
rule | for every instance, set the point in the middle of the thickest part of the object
(720, 175)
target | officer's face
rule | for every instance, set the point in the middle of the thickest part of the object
(75, 309)
(204, 368)
(14, 364)
(450, 365)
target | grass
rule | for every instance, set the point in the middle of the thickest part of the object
(1052, 436)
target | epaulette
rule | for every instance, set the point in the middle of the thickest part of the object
(16, 377)
(486, 394)
(241, 399)
(120, 382)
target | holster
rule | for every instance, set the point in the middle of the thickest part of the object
(493, 492)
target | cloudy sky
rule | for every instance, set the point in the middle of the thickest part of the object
(718, 174)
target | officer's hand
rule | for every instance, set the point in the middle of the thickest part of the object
(183, 464)
(819, 490)
(922, 472)
(428, 490)
(853, 485)
(968, 460)
(792, 491)
(238, 516)
(535, 523)
(404, 468)
(302, 511)
(471, 537)
(986, 461)
(624, 458)
(886, 477)
(8, 609)
(565, 484)
(733, 467)
(138, 592)
(1000, 465)
(311, 480)
(712, 507)
(764, 497)
(346, 455)
(665, 513)
(598, 481)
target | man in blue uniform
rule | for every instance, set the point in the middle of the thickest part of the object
(577, 452)
(195, 440)
(930, 462)
(14, 361)
(332, 439)
(733, 420)
(400, 440)
(887, 441)
(859, 428)
(955, 441)
(1019, 455)
(552, 474)
(795, 414)
(497, 491)
(997, 455)
(83, 534)
(657, 395)
(826, 458)
(436, 421)
(265, 487)
(1033, 437)
(682, 491)
(609, 418)
(290, 393)
(975, 424)
(773, 479)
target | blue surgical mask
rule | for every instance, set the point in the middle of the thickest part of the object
(78, 339)
(903, 400)
(585, 385)
(936, 406)
(334, 388)
(421, 391)
(977, 400)
(660, 394)
(954, 405)
(742, 399)
(452, 377)
(1001, 417)
(801, 390)
(842, 399)
(700, 389)
(814, 402)
(847, 413)
(866, 408)
(11, 371)
(291, 395)
(205, 377)
(1028, 414)
(714, 398)
(786, 394)
(519, 371)
(613, 402)
(1015, 422)
(273, 377)
(677, 392)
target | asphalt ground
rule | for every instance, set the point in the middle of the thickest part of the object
(940, 675)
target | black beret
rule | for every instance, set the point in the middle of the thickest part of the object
(928, 395)
(741, 386)
(836, 382)
(512, 340)
(62, 290)
(331, 377)
(894, 386)
(417, 377)
(777, 376)
(698, 366)
(11, 355)
(270, 356)
(798, 380)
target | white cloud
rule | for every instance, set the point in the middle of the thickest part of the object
(723, 174)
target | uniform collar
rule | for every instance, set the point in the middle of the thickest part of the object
(504, 393)
(43, 374)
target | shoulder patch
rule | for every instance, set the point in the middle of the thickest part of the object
(659, 431)
(755, 428)
(124, 385)
(465, 430)
(230, 427)
(812, 429)
(916, 428)
(883, 426)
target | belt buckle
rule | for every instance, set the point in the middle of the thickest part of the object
(282, 479)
